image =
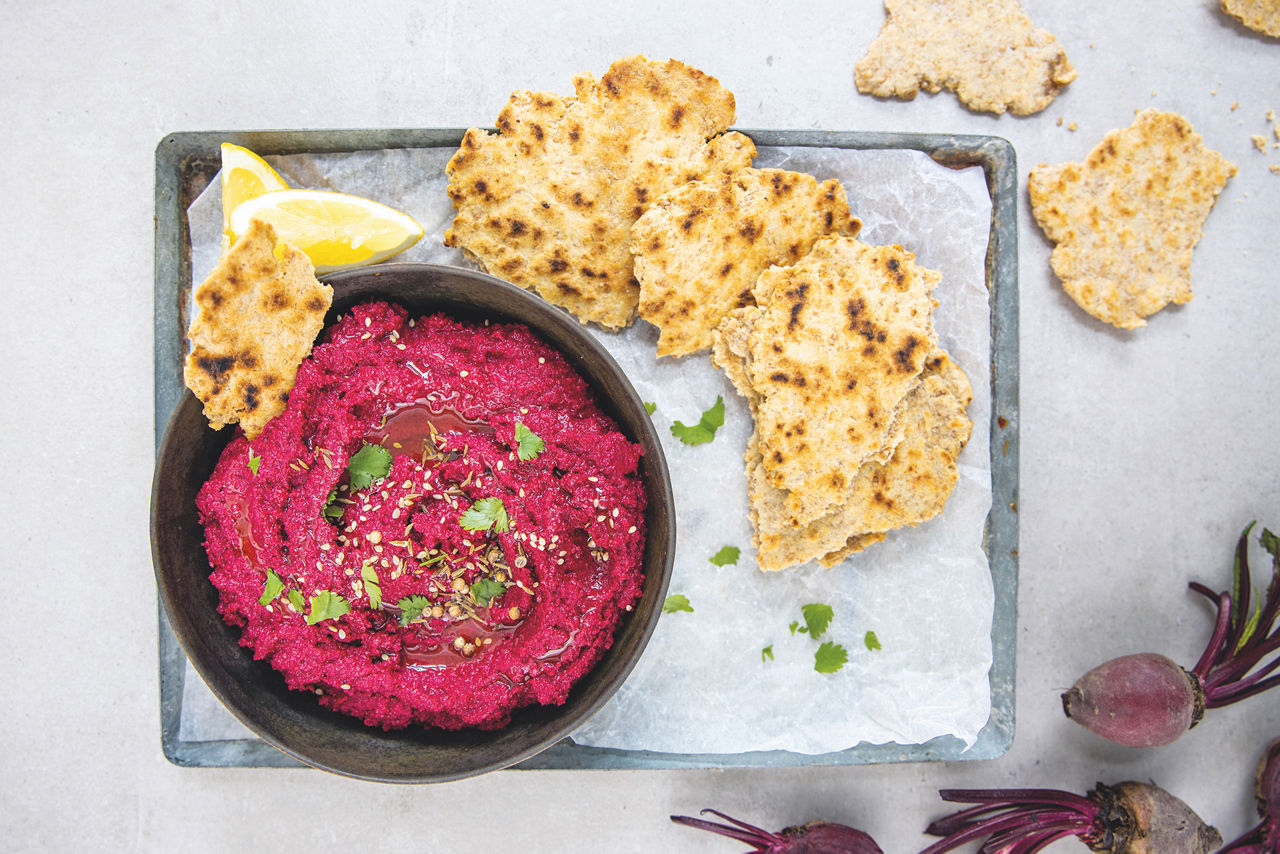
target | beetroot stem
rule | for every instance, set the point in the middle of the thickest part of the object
(757, 837)
(1220, 628)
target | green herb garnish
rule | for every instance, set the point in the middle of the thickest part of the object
(795, 624)
(271, 589)
(326, 605)
(485, 589)
(368, 464)
(296, 600)
(411, 608)
(705, 429)
(676, 602)
(528, 443)
(830, 657)
(816, 618)
(726, 556)
(254, 460)
(484, 514)
(369, 575)
(767, 653)
(872, 642)
(650, 407)
(333, 508)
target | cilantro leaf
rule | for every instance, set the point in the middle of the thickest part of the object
(484, 514)
(816, 618)
(794, 625)
(486, 589)
(872, 642)
(726, 555)
(271, 589)
(326, 605)
(369, 575)
(333, 508)
(705, 429)
(296, 600)
(528, 443)
(830, 657)
(254, 460)
(367, 465)
(411, 608)
(767, 653)
(676, 602)
(650, 407)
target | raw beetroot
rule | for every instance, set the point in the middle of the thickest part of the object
(1265, 838)
(816, 837)
(1127, 818)
(1146, 700)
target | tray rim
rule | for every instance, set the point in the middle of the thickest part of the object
(187, 159)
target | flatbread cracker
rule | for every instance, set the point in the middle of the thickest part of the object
(1125, 220)
(1260, 15)
(911, 487)
(258, 314)
(987, 51)
(548, 202)
(838, 341)
(700, 248)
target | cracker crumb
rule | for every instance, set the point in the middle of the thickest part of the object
(1073, 126)
(1259, 142)
(1275, 167)
(1059, 121)
(1235, 106)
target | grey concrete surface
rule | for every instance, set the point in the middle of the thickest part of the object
(1143, 454)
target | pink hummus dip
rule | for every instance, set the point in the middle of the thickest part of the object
(484, 570)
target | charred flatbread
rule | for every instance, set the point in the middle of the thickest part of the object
(548, 201)
(1125, 220)
(987, 51)
(834, 346)
(700, 248)
(258, 314)
(912, 486)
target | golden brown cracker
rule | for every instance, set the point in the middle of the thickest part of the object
(838, 341)
(548, 201)
(912, 486)
(1126, 220)
(987, 51)
(700, 248)
(258, 314)
(1260, 15)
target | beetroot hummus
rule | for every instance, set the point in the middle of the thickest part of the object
(441, 527)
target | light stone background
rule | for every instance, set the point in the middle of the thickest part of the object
(1143, 453)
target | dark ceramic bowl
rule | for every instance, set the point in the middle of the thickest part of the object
(292, 720)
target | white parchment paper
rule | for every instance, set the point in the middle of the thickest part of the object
(704, 684)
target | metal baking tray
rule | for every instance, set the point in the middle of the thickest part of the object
(187, 162)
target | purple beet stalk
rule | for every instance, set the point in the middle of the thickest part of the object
(816, 837)
(1146, 700)
(1127, 818)
(1265, 838)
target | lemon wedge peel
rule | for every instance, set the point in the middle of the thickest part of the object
(244, 176)
(337, 231)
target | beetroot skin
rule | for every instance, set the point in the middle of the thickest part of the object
(1142, 700)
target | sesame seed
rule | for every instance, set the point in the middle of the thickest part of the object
(631, 530)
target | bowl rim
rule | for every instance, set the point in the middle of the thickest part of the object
(540, 316)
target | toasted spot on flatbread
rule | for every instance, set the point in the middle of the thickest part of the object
(257, 315)
(912, 486)
(1125, 220)
(834, 346)
(548, 201)
(987, 51)
(700, 247)
(1260, 15)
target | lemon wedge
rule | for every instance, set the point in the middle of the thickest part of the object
(337, 231)
(245, 175)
